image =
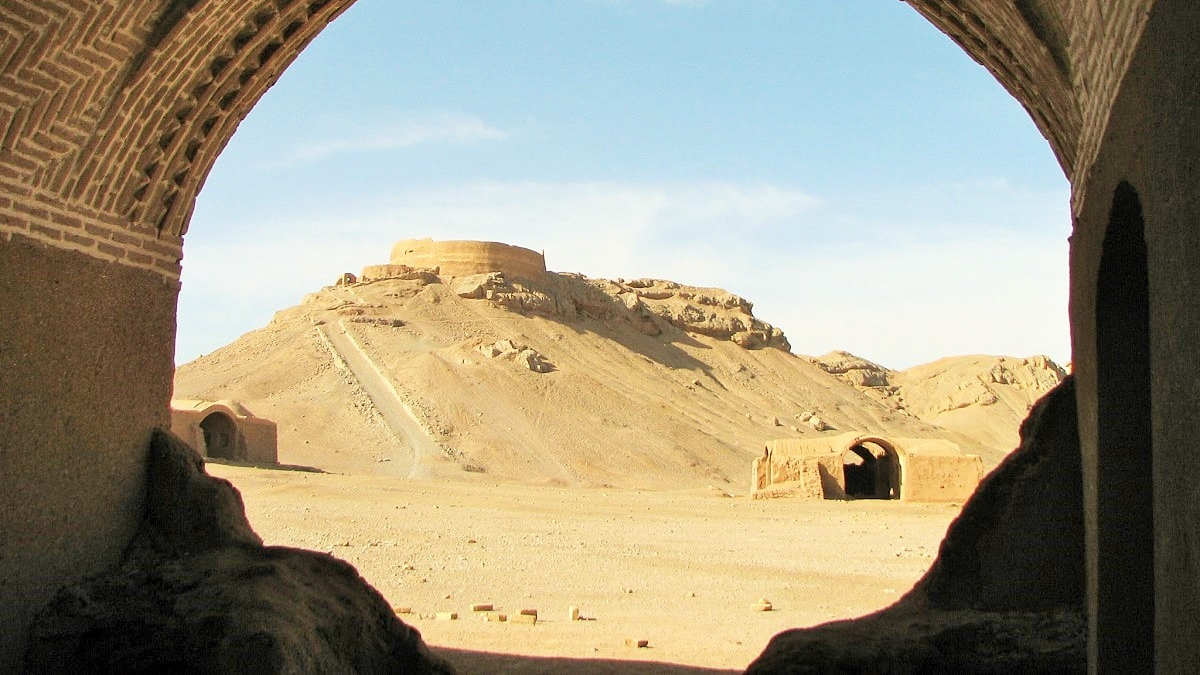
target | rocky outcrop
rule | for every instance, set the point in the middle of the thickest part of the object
(1036, 373)
(853, 369)
(950, 384)
(653, 306)
(518, 353)
(198, 592)
(425, 275)
(1006, 591)
(708, 311)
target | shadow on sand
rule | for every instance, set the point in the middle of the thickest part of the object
(478, 663)
(263, 465)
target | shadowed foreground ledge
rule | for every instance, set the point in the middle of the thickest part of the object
(198, 592)
(1006, 593)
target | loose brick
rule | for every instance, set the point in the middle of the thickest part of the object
(125, 239)
(636, 644)
(66, 220)
(97, 230)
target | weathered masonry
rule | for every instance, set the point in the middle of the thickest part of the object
(112, 114)
(225, 430)
(464, 258)
(866, 466)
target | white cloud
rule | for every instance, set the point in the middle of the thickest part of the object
(912, 304)
(440, 128)
(599, 226)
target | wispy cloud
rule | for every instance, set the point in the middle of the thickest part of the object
(910, 304)
(399, 135)
(601, 228)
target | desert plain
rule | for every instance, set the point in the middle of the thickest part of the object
(683, 570)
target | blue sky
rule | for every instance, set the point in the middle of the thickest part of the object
(838, 162)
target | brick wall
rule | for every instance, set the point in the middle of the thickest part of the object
(112, 113)
(89, 232)
(1104, 35)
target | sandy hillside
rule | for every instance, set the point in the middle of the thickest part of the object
(644, 384)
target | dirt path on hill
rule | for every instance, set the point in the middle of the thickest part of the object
(386, 400)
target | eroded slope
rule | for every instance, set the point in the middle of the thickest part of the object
(566, 380)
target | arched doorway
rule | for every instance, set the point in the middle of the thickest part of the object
(1122, 508)
(220, 436)
(871, 470)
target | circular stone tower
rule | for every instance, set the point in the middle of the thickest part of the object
(463, 258)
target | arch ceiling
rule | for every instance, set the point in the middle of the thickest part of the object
(120, 109)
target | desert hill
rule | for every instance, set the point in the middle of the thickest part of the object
(982, 398)
(567, 380)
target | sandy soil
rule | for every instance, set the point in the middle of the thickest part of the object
(682, 570)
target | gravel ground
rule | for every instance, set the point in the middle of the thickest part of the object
(683, 571)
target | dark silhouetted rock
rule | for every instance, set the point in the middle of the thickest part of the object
(1018, 544)
(909, 639)
(197, 592)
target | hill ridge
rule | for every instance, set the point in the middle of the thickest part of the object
(644, 383)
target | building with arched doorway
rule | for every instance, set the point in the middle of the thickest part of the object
(225, 430)
(863, 466)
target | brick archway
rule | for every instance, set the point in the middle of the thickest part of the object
(113, 113)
